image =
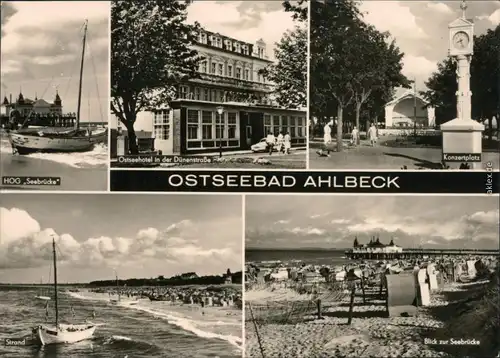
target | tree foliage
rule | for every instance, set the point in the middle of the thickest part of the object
(150, 54)
(350, 61)
(484, 82)
(299, 9)
(289, 73)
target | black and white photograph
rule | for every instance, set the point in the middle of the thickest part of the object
(121, 275)
(55, 90)
(209, 84)
(398, 85)
(371, 276)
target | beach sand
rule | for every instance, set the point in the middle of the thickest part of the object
(369, 335)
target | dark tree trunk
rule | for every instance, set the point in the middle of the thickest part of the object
(132, 138)
(340, 142)
(358, 111)
(490, 129)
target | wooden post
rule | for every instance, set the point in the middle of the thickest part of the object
(382, 277)
(363, 287)
(256, 331)
(318, 304)
(351, 304)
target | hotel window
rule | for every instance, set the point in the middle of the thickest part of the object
(222, 96)
(203, 66)
(276, 125)
(218, 42)
(206, 95)
(214, 68)
(247, 74)
(183, 93)
(161, 125)
(237, 47)
(300, 128)
(193, 125)
(238, 73)
(245, 49)
(292, 126)
(230, 71)
(267, 124)
(284, 124)
(198, 93)
(232, 126)
(207, 125)
(221, 69)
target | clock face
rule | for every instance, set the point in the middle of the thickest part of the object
(460, 40)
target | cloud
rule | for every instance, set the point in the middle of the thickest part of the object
(440, 7)
(25, 244)
(494, 18)
(282, 222)
(401, 21)
(340, 221)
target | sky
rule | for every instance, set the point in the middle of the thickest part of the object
(41, 51)
(137, 235)
(334, 221)
(421, 28)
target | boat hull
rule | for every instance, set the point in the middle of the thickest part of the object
(67, 333)
(30, 143)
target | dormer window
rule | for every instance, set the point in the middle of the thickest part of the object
(229, 45)
(237, 47)
(203, 38)
(245, 49)
(218, 42)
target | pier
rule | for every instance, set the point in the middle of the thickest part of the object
(416, 253)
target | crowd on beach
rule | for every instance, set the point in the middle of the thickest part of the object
(300, 331)
(204, 296)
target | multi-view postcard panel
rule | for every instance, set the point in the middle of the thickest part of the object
(116, 283)
(55, 85)
(214, 97)
(423, 95)
(378, 276)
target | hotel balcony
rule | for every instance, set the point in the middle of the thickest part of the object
(235, 83)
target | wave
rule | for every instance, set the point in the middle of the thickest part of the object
(185, 323)
(191, 326)
(98, 157)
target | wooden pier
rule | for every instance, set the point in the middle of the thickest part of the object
(417, 253)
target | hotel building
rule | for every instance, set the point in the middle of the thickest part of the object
(229, 78)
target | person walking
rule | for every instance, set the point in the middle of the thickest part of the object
(288, 143)
(271, 141)
(281, 144)
(372, 135)
(355, 136)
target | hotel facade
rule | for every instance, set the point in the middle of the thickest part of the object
(230, 81)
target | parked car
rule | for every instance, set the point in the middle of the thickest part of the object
(261, 146)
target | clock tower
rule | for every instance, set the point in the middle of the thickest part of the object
(462, 137)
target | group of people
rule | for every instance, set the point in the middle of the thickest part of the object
(282, 142)
(372, 135)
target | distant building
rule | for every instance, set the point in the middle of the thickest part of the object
(229, 77)
(188, 276)
(375, 246)
(400, 112)
(28, 106)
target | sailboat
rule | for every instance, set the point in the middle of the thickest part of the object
(59, 332)
(51, 139)
(40, 296)
(119, 300)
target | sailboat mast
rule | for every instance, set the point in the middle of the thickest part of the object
(55, 280)
(81, 76)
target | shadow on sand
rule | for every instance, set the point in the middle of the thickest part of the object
(471, 315)
(421, 163)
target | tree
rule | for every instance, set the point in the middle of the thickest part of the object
(228, 273)
(391, 243)
(485, 76)
(289, 73)
(150, 56)
(333, 24)
(299, 8)
(380, 70)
